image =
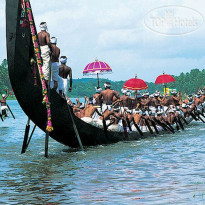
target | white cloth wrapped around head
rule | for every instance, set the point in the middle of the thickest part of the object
(98, 90)
(43, 26)
(124, 91)
(54, 40)
(107, 85)
(3, 95)
(63, 59)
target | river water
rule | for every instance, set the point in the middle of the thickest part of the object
(166, 169)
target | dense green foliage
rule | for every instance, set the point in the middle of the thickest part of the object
(4, 77)
(186, 83)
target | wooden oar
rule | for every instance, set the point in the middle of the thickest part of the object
(75, 128)
(154, 125)
(1, 117)
(128, 123)
(105, 127)
(148, 126)
(194, 116)
(125, 128)
(137, 127)
(10, 111)
(183, 118)
(180, 123)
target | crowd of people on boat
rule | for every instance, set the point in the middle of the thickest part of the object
(56, 75)
(143, 113)
(107, 109)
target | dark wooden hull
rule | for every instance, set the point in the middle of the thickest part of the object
(19, 53)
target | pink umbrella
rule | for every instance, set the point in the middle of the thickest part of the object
(97, 67)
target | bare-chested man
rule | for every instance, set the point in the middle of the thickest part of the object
(44, 42)
(107, 96)
(55, 62)
(64, 73)
(89, 110)
(125, 101)
(96, 97)
(4, 108)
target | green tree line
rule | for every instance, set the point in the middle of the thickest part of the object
(186, 83)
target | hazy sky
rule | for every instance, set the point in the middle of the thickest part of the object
(114, 32)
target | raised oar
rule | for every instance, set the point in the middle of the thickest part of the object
(10, 111)
(137, 127)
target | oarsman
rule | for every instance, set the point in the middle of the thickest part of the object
(4, 108)
(125, 101)
(115, 117)
(198, 100)
(65, 72)
(174, 100)
(89, 110)
(44, 42)
(55, 62)
(107, 96)
(156, 102)
(136, 117)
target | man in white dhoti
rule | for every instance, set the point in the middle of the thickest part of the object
(55, 62)
(44, 42)
(65, 72)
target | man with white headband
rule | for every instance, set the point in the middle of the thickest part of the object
(44, 42)
(64, 73)
(55, 63)
(107, 96)
(4, 108)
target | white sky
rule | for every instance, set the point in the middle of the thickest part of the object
(113, 31)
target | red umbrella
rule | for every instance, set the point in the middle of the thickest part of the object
(165, 78)
(135, 84)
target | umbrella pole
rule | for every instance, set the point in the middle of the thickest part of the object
(98, 80)
(165, 89)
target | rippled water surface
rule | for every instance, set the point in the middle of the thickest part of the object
(167, 169)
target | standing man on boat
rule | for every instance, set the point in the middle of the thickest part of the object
(4, 108)
(107, 96)
(44, 42)
(55, 53)
(64, 73)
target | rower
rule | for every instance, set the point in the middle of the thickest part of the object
(65, 72)
(45, 46)
(89, 111)
(115, 117)
(4, 108)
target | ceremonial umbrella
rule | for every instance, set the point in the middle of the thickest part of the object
(135, 84)
(97, 67)
(163, 79)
